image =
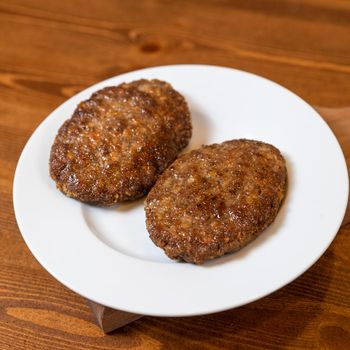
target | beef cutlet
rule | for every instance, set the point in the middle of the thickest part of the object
(118, 142)
(216, 199)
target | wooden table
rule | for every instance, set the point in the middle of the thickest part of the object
(49, 50)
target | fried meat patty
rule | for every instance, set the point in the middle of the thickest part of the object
(216, 199)
(119, 141)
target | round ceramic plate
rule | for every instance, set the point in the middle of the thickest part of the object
(106, 255)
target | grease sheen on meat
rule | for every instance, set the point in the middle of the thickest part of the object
(119, 141)
(216, 199)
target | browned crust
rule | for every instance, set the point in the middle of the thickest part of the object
(119, 141)
(216, 199)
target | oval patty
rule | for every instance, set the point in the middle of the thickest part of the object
(216, 199)
(119, 141)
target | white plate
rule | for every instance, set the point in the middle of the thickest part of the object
(106, 255)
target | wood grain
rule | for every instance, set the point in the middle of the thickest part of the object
(52, 49)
